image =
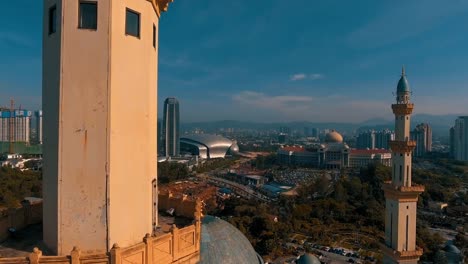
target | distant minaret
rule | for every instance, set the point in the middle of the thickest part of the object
(401, 195)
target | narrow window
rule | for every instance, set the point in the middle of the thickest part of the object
(154, 36)
(407, 175)
(87, 18)
(391, 229)
(401, 172)
(132, 25)
(53, 20)
(407, 223)
(155, 203)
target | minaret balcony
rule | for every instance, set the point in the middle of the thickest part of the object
(403, 109)
(402, 193)
(402, 146)
(402, 255)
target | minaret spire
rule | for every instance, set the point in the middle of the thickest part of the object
(400, 193)
(403, 70)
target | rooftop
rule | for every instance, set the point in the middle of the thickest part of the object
(294, 149)
(370, 151)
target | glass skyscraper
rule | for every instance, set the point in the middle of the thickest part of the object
(170, 128)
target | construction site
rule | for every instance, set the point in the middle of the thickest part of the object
(17, 132)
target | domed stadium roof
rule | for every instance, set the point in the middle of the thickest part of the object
(403, 85)
(308, 259)
(223, 243)
(333, 137)
(210, 146)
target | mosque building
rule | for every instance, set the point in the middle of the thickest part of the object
(333, 153)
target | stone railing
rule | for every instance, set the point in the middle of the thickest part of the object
(416, 188)
(402, 255)
(179, 245)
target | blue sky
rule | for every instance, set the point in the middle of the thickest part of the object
(276, 60)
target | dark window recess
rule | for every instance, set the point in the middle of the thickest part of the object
(52, 20)
(87, 18)
(132, 25)
(154, 36)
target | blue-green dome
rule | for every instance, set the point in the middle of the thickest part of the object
(221, 242)
(403, 85)
(308, 259)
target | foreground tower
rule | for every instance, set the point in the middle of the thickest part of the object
(170, 127)
(400, 193)
(99, 98)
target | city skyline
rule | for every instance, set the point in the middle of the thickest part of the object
(306, 65)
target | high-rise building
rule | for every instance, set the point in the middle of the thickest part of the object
(15, 126)
(382, 139)
(38, 115)
(315, 132)
(452, 142)
(285, 130)
(100, 95)
(159, 137)
(282, 138)
(400, 193)
(170, 127)
(366, 140)
(459, 139)
(422, 135)
(374, 139)
(306, 131)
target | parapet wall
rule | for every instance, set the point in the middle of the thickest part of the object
(19, 218)
(180, 245)
(183, 206)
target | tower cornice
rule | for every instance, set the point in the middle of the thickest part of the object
(402, 256)
(160, 6)
(402, 193)
(402, 146)
(403, 109)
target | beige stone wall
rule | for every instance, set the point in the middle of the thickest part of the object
(51, 66)
(100, 112)
(132, 124)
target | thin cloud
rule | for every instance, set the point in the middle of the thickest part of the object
(315, 76)
(303, 76)
(295, 108)
(281, 103)
(298, 77)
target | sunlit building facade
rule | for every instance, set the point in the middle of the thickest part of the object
(15, 126)
(422, 135)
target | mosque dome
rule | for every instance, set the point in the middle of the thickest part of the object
(452, 249)
(308, 259)
(223, 243)
(403, 85)
(333, 137)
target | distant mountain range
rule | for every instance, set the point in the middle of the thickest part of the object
(440, 124)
